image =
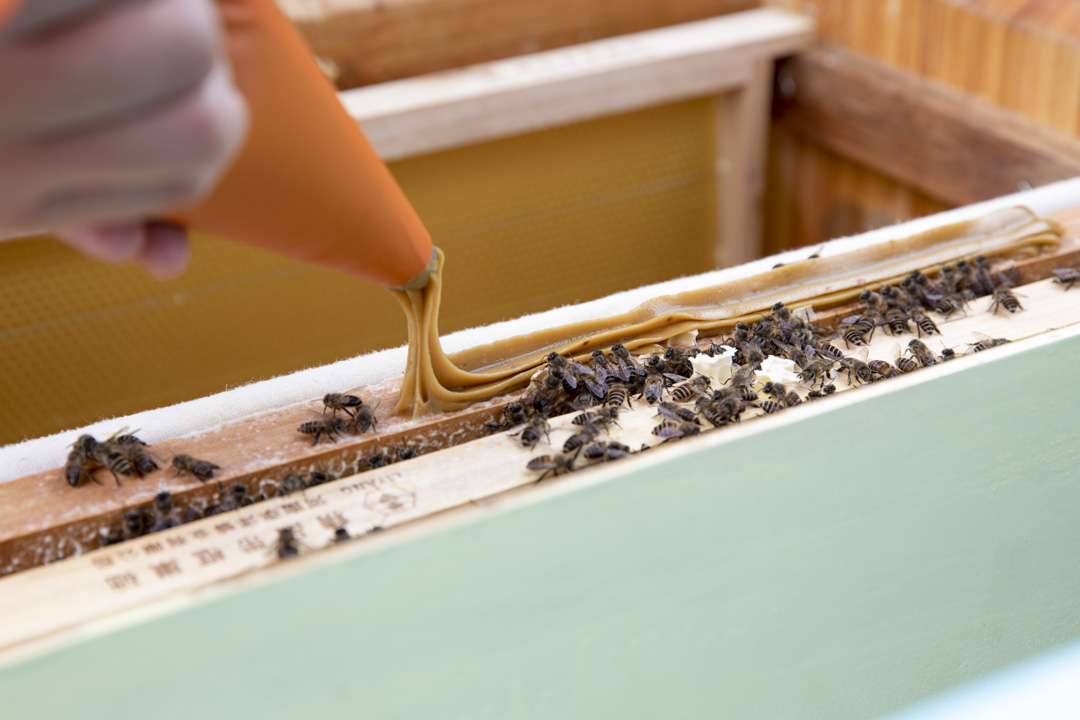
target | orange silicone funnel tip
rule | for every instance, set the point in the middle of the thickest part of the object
(307, 183)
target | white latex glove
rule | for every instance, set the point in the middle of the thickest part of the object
(111, 112)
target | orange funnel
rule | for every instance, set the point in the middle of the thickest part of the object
(307, 183)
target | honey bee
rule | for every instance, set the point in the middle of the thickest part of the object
(948, 354)
(201, 469)
(827, 349)
(513, 414)
(378, 460)
(628, 364)
(951, 304)
(77, 468)
(165, 515)
(792, 399)
(828, 389)
(364, 419)
(771, 406)
(982, 272)
(857, 370)
(601, 367)
(678, 360)
(329, 428)
(291, 483)
(672, 430)
(1004, 297)
(859, 330)
(677, 413)
(776, 390)
(341, 535)
(601, 417)
(617, 395)
(287, 545)
(135, 450)
(905, 364)
(235, 497)
(571, 370)
(985, 342)
(874, 301)
(340, 401)
(745, 394)
(550, 464)
(587, 434)
(107, 455)
(741, 376)
(1066, 276)
(693, 388)
(921, 352)
(546, 392)
(653, 390)
(530, 434)
(134, 523)
(896, 320)
(816, 372)
(882, 369)
(924, 324)
(606, 451)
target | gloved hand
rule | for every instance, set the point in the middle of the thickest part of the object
(111, 112)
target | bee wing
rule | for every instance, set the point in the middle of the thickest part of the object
(864, 354)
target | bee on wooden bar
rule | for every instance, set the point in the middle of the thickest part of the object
(874, 301)
(924, 324)
(550, 464)
(514, 414)
(107, 455)
(678, 360)
(235, 497)
(857, 370)
(135, 450)
(671, 430)
(896, 320)
(816, 372)
(603, 417)
(318, 477)
(363, 419)
(745, 394)
(628, 364)
(546, 391)
(406, 453)
(771, 406)
(530, 434)
(586, 435)
(741, 377)
(78, 466)
(134, 524)
(1004, 297)
(985, 342)
(617, 395)
(341, 535)
(201, 469)
(859, 330)
(654, 388)
(287, 545)
(340, 401)
(828, 389)
(776, 390)
(827, 349)
(677, 412)
(1066, 276)
(693, 388)
(559, 366)
(951, 304)
(165, 515)
(792, 398)
(377, 461)
(606, 451)
(947, 353)
(882, 369)
(601, 367)
(982, 272)
(905, 364)
(922, 353)
(329, 428)
(290, 484)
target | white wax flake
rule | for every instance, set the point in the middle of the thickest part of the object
(716, 368)
(686, 339)
(777, 370)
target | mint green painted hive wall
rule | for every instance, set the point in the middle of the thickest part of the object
(841, 562)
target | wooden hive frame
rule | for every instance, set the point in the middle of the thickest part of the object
(611, 544)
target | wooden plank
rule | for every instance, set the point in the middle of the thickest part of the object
(742, 145)
(510, 97)
(944, 143)
(372, 41)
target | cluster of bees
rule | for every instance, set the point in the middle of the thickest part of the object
(601, 387)
(125, 454)
(361, 418)
(164, 514)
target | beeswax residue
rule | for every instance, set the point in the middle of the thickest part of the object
(435, 383)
